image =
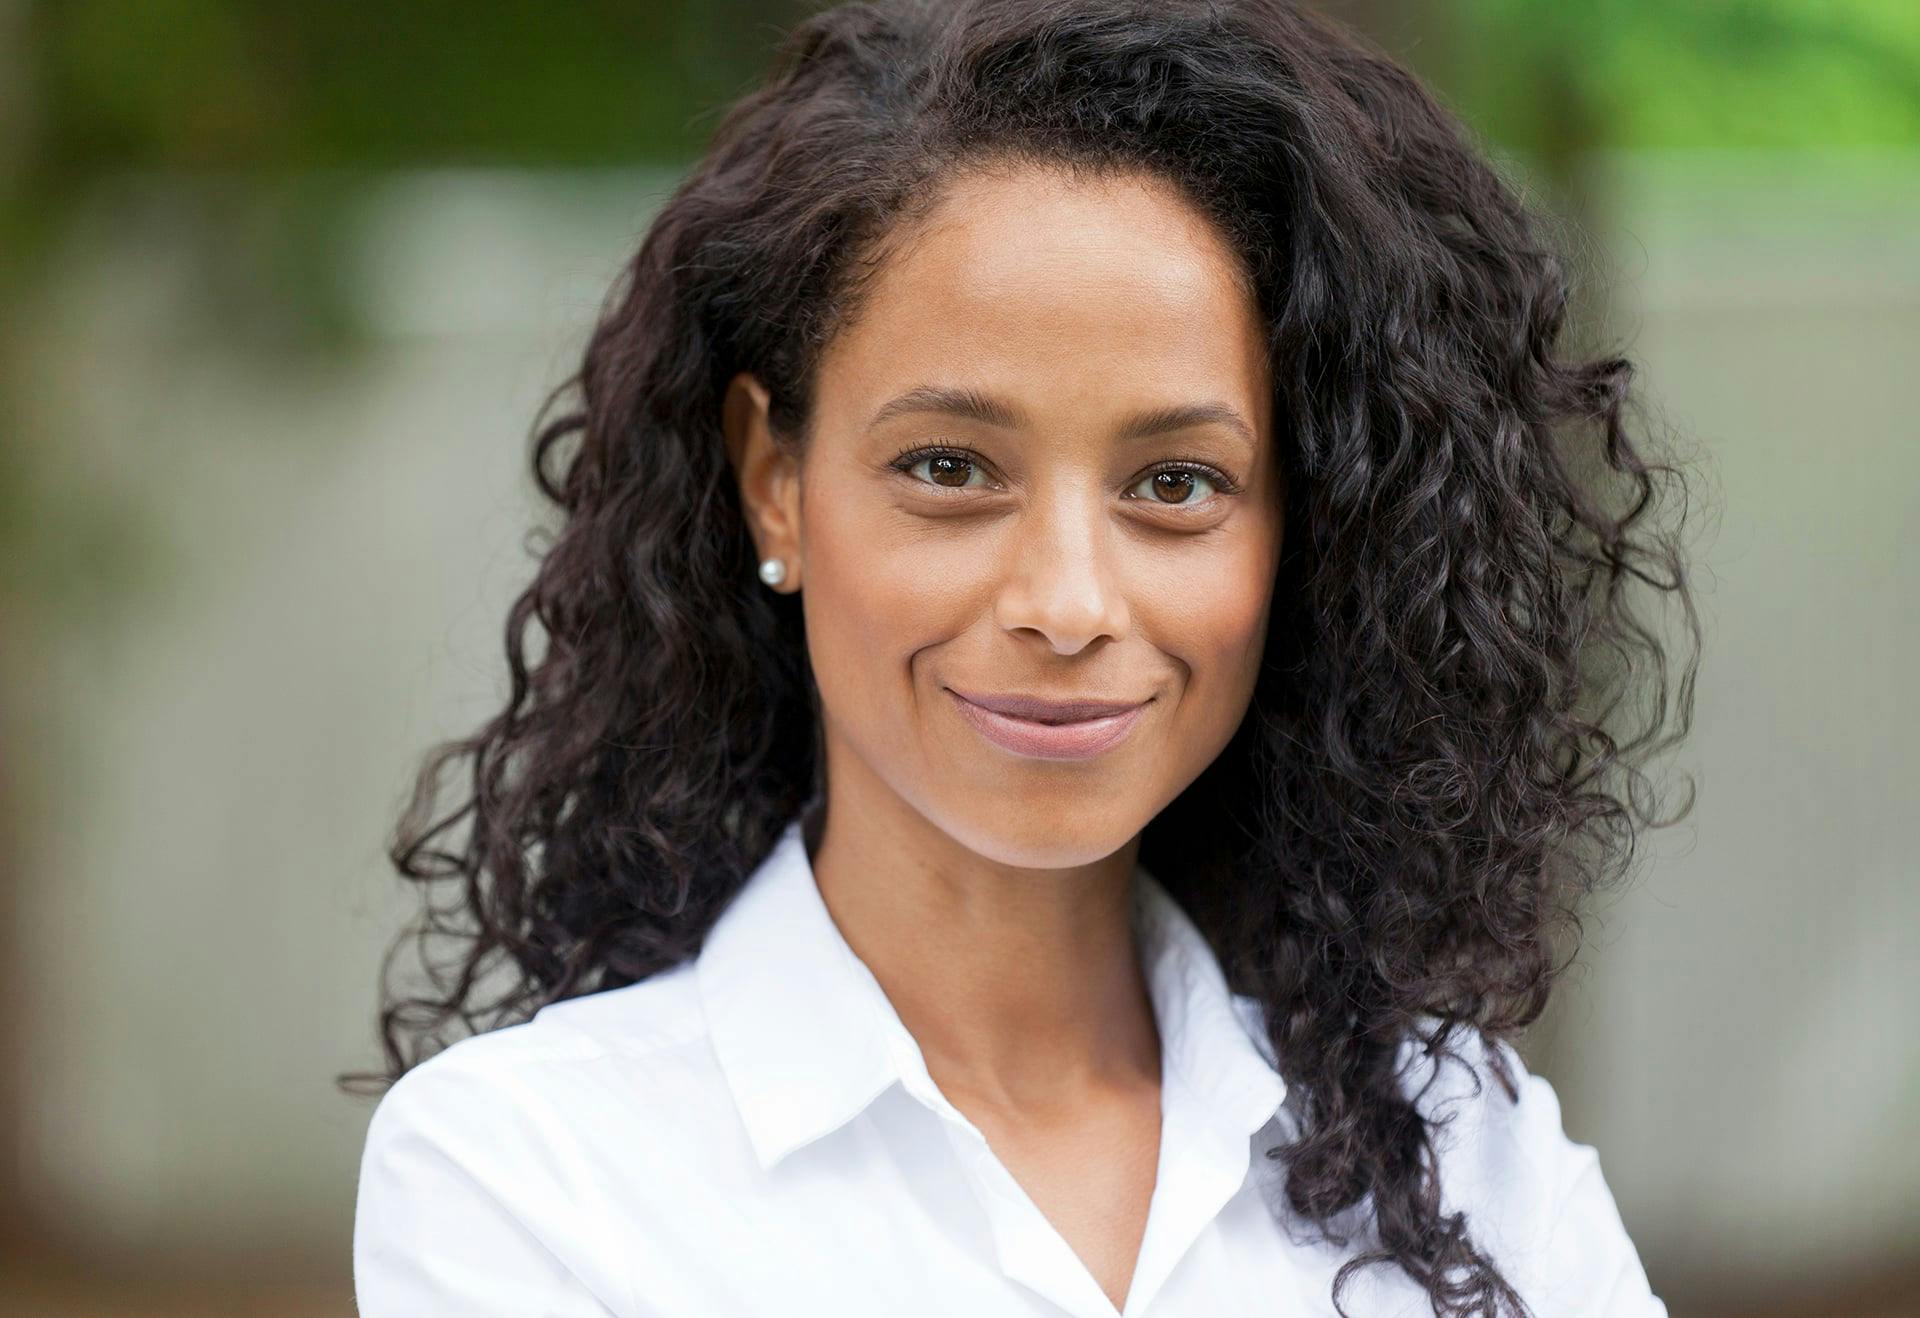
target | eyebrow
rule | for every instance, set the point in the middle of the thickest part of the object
(973, 405)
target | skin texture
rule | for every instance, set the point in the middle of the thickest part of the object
(988, 890)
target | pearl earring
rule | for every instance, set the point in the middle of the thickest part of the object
(773, 571)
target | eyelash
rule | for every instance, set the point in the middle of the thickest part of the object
(913, 457)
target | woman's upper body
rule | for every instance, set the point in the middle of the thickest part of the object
(1152, 427)
(755, 1132)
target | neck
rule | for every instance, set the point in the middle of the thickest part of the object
(1022, 986)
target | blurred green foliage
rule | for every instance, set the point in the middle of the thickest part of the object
(269, 89)
(1722, 74)
(200, 84)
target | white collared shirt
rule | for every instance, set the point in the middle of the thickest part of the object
(755, 1132)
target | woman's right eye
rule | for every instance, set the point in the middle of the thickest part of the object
(946, 468)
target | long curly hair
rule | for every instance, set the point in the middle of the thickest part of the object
(1445, 750)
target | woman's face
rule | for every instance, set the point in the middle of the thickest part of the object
(1042, 465)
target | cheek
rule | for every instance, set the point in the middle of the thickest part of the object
(875, 591)
(1216, 625)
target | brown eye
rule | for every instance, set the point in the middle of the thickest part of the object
(947, 468)
(1175, 486)
(1178, 484)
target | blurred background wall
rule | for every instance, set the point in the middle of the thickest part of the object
(281, 288)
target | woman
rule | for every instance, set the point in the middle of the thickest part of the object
(1066, 743)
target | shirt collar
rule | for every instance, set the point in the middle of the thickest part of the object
(806, 1037)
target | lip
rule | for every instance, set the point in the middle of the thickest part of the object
(1049, 729)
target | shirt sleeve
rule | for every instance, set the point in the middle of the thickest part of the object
(468, 1204)
(1535, 1198)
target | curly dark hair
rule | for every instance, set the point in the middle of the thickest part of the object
(1444, 754)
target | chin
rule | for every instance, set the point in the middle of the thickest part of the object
(1032, 835)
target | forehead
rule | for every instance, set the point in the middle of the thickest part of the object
(1105, 291)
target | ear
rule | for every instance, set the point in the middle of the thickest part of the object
(769, 476)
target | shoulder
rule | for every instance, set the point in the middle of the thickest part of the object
(514, 1158)
(568, 1110)
(1493, 1118)
(522, 1088)
(552, 1061)
(1534, 1197)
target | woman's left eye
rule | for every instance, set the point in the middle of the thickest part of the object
(1177, 485)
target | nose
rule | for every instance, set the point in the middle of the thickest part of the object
(1061, 581)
